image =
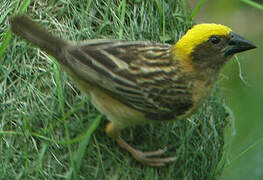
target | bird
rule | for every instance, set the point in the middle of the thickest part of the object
(138, 82)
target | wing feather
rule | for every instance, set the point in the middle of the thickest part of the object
(143, 75)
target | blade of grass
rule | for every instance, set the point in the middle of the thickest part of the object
(61, 106)
(63, 142)
(163, 20)
(12, 133)
(162, 17)
(123, 9)
(79, 138)
(253, 4)
(3, 16)
(197, 8)
(258, 142)
(78, 156)
(8, 35)
(23, 6)
(5, 42)
(99, 154)
(41, 156)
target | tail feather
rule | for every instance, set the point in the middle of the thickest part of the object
(32, 32)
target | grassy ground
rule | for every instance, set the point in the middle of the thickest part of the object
(48, 128)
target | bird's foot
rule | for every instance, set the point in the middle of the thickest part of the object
(146, 157)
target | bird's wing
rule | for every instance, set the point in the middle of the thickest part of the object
(142, 75)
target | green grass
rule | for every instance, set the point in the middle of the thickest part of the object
(253, 4)
(48, 128)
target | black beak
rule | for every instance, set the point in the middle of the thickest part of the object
(238, 44)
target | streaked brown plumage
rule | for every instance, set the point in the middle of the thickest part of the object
(138, 82)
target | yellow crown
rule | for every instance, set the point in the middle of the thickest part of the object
(197, 35)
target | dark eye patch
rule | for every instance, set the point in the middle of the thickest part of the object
(214, 39)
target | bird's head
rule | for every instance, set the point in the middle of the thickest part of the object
(210, 45)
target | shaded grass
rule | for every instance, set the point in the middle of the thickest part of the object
(47, 126)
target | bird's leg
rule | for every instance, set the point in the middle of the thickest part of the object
(143, 157)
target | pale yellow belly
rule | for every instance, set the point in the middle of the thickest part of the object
(115, 111)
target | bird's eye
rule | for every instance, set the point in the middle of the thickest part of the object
(215, 40)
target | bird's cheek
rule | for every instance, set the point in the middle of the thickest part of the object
(224, 58)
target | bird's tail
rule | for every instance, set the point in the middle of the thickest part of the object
(32, 32)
